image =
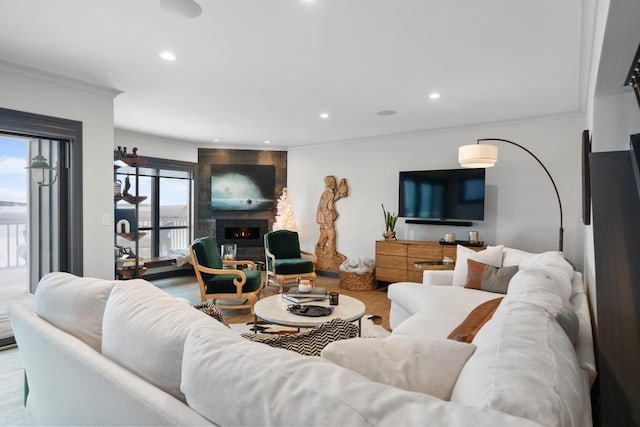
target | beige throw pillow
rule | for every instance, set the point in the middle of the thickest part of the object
(426, 365)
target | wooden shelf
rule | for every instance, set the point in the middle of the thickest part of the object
(130, 273)
(463, 243)
(129, 166)
(132, 236)
(133, 200)
(129, 161)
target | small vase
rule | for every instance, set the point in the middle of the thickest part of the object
(389, 235)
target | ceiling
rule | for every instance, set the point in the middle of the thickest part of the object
(254, 70)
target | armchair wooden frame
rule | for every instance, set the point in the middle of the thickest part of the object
(251, 297)
(279, 279)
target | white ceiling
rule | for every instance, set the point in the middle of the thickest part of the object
(255, 70)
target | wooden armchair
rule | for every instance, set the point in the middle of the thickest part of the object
(285, 260)
(217, 282)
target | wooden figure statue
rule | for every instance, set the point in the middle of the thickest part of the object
(328, 258)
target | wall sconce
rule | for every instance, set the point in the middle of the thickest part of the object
(485, 156)
(41, 172)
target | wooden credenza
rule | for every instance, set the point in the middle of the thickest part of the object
(395, 258)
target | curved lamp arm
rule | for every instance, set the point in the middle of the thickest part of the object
(555, 187)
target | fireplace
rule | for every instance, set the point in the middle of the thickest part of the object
(248, 234)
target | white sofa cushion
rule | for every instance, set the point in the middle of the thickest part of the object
(524, 365)
(511, 256)
(70, 384)
(74, 304)
(279, 387)
(426, 365)
(438, 309)
(492, 255)
(437, 277)
(144, 331)
(553, 265)
(539, 288)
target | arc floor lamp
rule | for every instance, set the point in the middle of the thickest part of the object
(485, 156)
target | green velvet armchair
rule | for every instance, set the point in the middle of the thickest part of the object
(217, 282)
(285, 260)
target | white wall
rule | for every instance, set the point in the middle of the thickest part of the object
(521, 208)
(36, 92)
(156, 146)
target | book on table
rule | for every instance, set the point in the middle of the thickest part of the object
(316, 294)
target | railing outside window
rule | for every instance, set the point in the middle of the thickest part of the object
(13, 252)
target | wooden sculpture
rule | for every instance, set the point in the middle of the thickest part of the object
(328, 258)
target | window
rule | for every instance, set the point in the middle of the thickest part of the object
(165, 216)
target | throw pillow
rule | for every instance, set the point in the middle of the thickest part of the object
(489, 278)
(471, 325)
(212, 310)
(311, 342)
(511, 256)
(492, 255)
(74, 304)
(426, 365)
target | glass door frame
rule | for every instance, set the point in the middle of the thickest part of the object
(32, 125)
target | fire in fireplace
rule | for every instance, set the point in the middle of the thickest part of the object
(244, 232)
(231, 233)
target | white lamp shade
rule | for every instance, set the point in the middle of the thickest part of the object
(477, 156)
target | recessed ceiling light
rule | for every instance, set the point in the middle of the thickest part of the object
(386, 113)
(267, 142)
(167, 56)
(324, 115)
(434, 95)
(216, 140)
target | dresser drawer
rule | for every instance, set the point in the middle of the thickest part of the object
(391, 261)
(426, 252)
(391, 248)
(385, 274)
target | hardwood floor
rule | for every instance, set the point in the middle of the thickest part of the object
(375, 301)
(11, 388)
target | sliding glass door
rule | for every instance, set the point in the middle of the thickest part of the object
(40, 205)
(29, 217)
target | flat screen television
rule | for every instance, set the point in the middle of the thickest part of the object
(449, 194)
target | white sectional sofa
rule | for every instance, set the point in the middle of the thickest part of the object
(534, 358)
(100, 352)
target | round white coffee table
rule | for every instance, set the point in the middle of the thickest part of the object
(273, 309)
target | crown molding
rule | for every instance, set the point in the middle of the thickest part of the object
(34, 73)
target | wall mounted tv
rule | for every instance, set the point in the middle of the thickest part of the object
(442, 196)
